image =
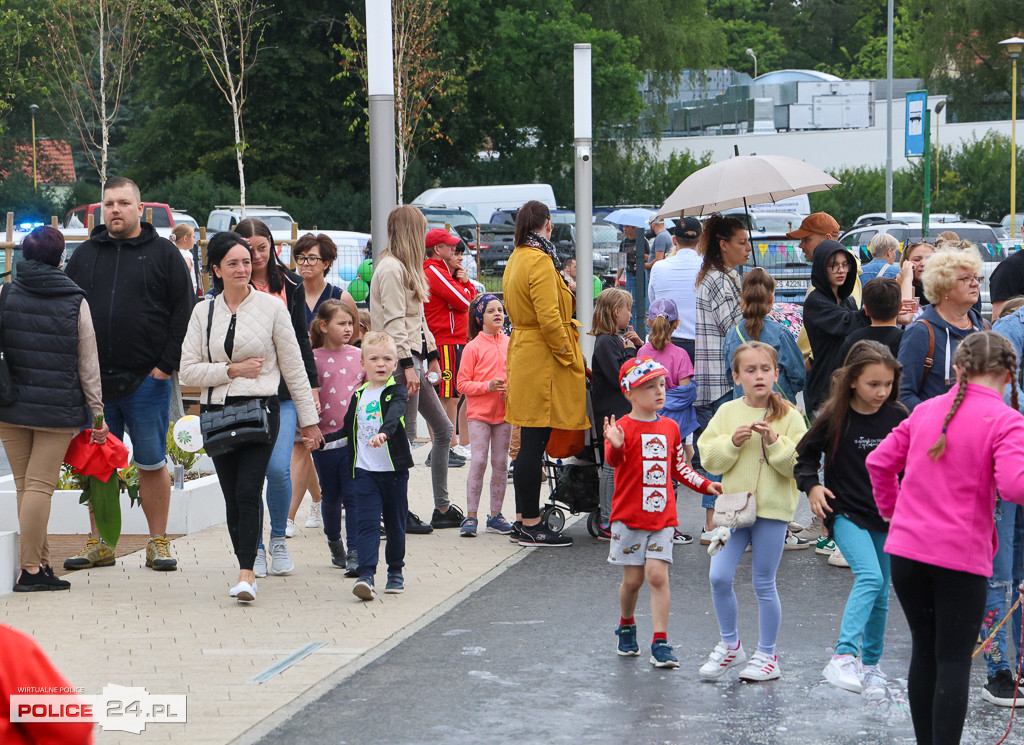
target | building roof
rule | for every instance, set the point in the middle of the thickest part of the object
(790, 76)
(54, 163)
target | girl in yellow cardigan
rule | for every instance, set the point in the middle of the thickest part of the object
(752, 442)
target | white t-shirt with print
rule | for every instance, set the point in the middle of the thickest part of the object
(368, 421)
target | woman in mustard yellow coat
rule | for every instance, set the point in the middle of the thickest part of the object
(546, 378)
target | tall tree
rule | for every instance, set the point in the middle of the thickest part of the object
(228, 35)
(421, 73)
(91, 48)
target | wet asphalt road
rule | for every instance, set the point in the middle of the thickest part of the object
(530, 658)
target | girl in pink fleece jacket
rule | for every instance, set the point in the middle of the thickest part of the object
(482, 380)
(955, 451)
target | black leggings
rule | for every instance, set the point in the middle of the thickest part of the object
(944, 609)
(241, 474)
(529, 470)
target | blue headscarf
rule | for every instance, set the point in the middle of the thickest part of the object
(480, 305)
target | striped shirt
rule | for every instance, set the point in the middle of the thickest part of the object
(718, 311)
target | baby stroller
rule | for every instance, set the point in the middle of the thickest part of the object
(572, 464)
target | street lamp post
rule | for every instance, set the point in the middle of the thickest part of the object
(1013, 47)
(35, 173)
(750, 53)
(381, 89)
(938, 171)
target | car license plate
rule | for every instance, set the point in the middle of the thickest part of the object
(790, 284)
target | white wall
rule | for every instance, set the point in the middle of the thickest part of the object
(827, 150)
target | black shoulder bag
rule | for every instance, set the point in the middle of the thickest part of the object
(235, 424)
(8, 394)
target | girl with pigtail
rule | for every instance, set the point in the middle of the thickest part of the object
(861, 410)
(955, 451)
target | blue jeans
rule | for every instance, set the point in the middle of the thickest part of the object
(862, 632)
(998, 584)
(279, 473)
(380, 495)
(704, 414)
(767, 539)
(334, 469)
(1018, 576)
(146, 412)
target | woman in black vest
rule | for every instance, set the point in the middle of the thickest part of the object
(47, 337)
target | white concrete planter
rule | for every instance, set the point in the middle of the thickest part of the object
(199, 505)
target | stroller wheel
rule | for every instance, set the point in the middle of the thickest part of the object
(593, 523)
(554, 518)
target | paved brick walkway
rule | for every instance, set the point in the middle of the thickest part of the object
(180, 633)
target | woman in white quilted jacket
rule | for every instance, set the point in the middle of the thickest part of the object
(252, 346)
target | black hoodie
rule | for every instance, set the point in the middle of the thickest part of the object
(828, 321)
(140, 296)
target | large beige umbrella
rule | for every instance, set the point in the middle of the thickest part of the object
(744, 180)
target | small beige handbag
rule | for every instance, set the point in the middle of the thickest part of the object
(739, 509)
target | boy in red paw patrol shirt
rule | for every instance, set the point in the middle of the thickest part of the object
(647, 453)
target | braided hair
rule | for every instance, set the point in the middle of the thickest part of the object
(980, 353)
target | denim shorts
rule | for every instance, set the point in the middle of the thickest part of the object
(146, 413)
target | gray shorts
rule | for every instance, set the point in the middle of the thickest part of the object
(631, 547)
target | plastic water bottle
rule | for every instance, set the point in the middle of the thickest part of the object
(433, 378)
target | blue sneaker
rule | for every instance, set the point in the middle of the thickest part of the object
(396, 583)
(627, 641)
(469, 526)
(363, 588)
(661, 655)
(498, 524)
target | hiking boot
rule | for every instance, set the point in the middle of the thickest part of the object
(41, 581)
(352, 563)
(450, 518)
(415, 526)
(158, 554)
(337, 553)
(95, 554)
(280, 559)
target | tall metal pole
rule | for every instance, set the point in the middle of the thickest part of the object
(35, 172)
(927, 207)
(380, 65)
(583, 141)
(888, 114)
(1013, 151)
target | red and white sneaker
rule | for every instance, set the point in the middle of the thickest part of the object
(761, 667)
(721, 659)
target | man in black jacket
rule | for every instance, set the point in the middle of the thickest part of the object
(141, 299)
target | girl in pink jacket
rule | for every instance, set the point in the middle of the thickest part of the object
(955, 451)
(482, 379)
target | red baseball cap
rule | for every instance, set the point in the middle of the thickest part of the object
(437, 236)
(639, 370)
(820, 223)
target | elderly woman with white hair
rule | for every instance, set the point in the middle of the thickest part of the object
(952, 283)
(883, 249)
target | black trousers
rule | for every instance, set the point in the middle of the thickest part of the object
(944, 609)
(242, 473)
(528, 474)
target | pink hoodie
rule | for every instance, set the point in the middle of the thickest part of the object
(483, 360)
(942, 513)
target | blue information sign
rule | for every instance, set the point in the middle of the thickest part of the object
(917, 102)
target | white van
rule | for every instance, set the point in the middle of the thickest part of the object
(482, 201)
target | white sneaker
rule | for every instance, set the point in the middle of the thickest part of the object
(280, 559)
(844, 671)
(244, 592)
(706, 536)
(289, 529)
(315, 519)
(463, 451)
(721, 659)
(260, 566)
(837, 559)
(872, 678)
(761, 667)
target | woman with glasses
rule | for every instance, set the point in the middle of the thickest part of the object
(952, 284)
(830, 314)
(314, 256)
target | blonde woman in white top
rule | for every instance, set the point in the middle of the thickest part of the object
(252, 346)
